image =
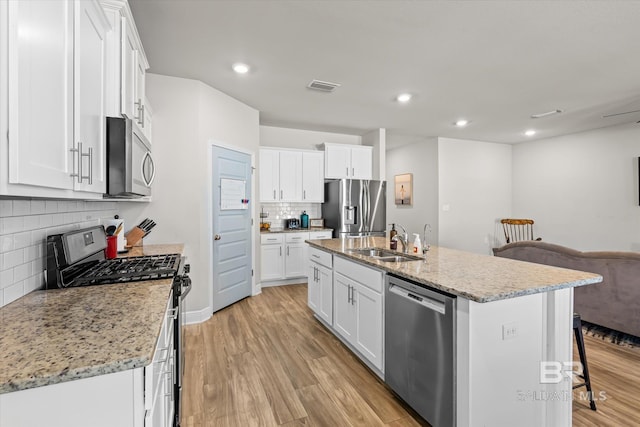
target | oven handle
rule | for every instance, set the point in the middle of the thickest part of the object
(185, 290)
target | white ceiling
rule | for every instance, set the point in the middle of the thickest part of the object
(492, 62)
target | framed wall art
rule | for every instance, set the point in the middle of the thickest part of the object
(403, 189)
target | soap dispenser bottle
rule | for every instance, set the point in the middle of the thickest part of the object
(304, 220)
(393, 244)
(417, 245)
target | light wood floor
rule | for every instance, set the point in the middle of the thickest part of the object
(265, 361)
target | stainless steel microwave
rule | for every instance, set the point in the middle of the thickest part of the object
(130, 166)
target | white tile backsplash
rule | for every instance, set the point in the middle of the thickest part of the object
(24, 227)
(278, 212)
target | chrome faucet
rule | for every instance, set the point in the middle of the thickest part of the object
(402, 238)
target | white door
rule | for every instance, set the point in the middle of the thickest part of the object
(361, 162)
(344, 319)
(269, 173)
(337, 162)
(129, 71)
(313, 288)
(368, 337)
(290, 176)
(41, 93)
(313, 177)
(296, 260)
(325, 291)
(231, 228)
(89, 108)
(271, 262)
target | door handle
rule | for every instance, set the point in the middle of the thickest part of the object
(217, 237)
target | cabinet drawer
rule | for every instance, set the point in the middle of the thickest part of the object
(321, 257)
(296, 237)
(369, 277)
(317, 235)
(267, 239)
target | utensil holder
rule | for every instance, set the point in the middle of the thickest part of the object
(134, 237)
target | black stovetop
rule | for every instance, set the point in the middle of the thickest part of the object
(118, 270)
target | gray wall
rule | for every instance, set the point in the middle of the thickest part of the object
(188, 115)
(474, 193)
(581, 189)
(271, 136)
(419, 157)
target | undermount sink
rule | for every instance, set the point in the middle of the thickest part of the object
(399, 258)
(385, 255)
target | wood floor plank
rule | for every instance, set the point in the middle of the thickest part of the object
(321, 408)
(284, 401)
(266, 361)
(343, 394)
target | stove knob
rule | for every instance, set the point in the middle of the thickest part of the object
(187, 268)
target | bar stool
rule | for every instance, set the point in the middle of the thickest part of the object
(577, 331)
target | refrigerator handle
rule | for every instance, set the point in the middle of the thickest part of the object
(367, 206)
(362, 207)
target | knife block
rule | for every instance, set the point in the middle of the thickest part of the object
(134, 237)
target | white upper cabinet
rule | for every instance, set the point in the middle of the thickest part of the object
(89, 84)
(55, 58)
(40, 93)
(269, 176)
(348, 161)
(127, 66)
(361, 162)
(313, 176)
(291, 176)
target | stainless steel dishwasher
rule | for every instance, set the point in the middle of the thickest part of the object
(420, 344)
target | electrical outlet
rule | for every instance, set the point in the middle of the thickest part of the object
(509, 330)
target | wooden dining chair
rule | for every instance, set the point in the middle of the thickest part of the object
(516, 230)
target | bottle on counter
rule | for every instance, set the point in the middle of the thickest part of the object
(417, 245)
(304, 220)
(393, 245)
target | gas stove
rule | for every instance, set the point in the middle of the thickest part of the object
(121, 270)
(77, 259)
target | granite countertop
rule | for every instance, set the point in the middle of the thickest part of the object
(480, 278)
(296, 230)
(53, 336)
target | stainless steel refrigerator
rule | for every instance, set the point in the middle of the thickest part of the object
(355, 207)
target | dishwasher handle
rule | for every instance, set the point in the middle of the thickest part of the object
(423, 300)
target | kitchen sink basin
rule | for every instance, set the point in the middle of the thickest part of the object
(399, 258)
(385, 255)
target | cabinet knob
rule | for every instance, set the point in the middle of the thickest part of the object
(217, 237)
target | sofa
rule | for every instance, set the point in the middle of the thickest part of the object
(614, 303)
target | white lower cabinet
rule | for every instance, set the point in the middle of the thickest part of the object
(320, 284)
(358, 314)
(141, 397)
(284, 255)
(348, 296)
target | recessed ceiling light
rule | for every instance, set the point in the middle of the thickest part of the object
(530, 132)
(404, 97)
(462, 123)
(241, 68)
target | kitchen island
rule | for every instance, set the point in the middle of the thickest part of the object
(510, 316)
(78, 354)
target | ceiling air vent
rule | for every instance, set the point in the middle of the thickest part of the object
(322, 86)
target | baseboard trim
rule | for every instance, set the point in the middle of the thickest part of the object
(199, 316)
(283, 282)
